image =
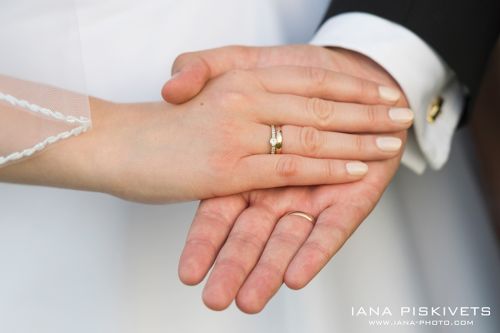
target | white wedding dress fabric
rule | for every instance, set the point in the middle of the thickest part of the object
(87, 262)
(39, 44)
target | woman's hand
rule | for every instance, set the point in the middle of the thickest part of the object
(218, 143)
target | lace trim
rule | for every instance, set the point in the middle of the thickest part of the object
(41, 145)
(83, 121)
(46, 112)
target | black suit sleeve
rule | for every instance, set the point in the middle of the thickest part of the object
(462, 32)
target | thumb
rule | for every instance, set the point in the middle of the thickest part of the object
(191, 71)
(187, 80)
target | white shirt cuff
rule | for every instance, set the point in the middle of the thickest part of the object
(420, 72)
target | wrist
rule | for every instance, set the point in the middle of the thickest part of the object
(68, 163)
(132, 147)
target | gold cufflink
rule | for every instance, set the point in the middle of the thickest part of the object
(434, 110)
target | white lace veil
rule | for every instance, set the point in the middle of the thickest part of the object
(42, 86)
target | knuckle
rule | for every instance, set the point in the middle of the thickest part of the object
(337, 236)
(200, 242)
(234, 263)
(364, 87)
(232, 99)
(357, 90)
(216, 217)
(271, 268)
(287, 239)
(317, 76)
(287, 166)
(240, 79)
(318, 250)
(371, 114)
(360, 207)
(311, 140)
(235, 96)
(245, 241)
(322, 111)
(359, 143)
(374, 190)
(339, 233)
(331, 170)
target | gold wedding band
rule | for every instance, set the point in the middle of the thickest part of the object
(276, 140)
(308, 217)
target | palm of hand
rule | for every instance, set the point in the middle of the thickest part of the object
(247, 269)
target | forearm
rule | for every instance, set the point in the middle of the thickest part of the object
(127, 153)
(217, 144)
(71, 163)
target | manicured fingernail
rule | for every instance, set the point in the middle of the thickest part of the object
(356, 168)
(389, 94)
(401, 115)
(389, 143)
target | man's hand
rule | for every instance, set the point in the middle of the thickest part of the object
(191, 71)
(258, 247)
(254, 244)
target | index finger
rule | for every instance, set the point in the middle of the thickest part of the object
(325, 84)
(211, 225)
